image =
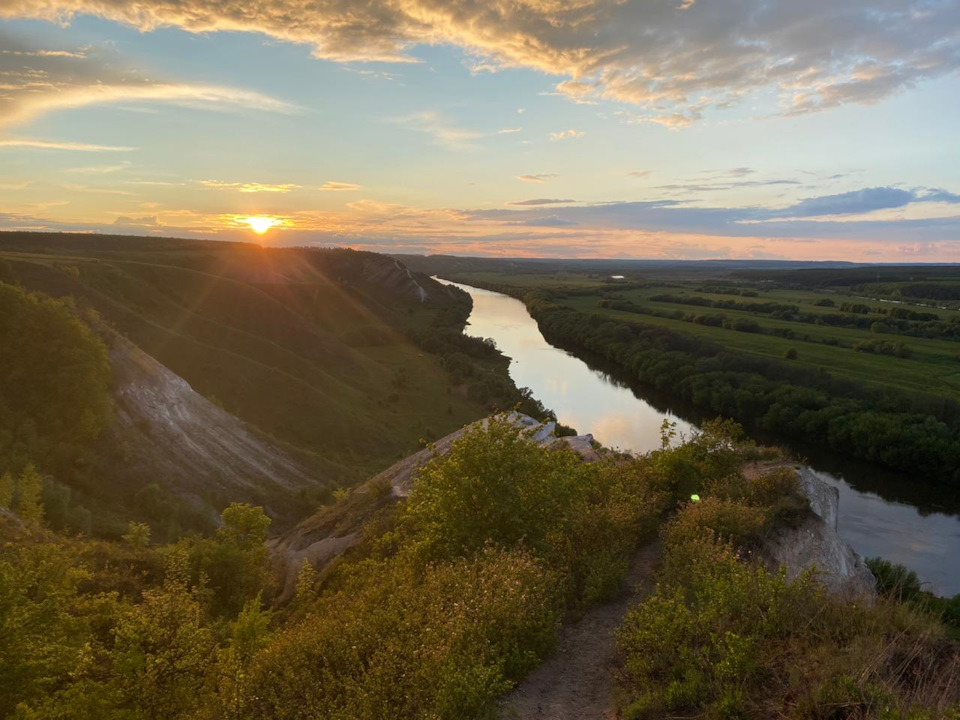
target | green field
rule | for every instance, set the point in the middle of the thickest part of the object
(933, 365)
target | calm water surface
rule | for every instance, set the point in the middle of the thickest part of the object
(881, 514)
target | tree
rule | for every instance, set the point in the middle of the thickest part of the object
(235, 561)
(29, 496)
(245, 525)
(6, 490)
(495, 485)
(137, 535)
(306, 584)
(162, 653)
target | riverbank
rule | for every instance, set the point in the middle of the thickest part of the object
(881, 514)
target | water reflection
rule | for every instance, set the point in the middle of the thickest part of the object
(881, 513)
(589, 401)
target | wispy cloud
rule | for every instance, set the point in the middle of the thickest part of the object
(541, 201)
(30, 107)
(339, 186)
(567, 135)
(100, 169)
(60, 145)
(866, 200)
(443, 132)
(506, 131)
(136, 221)
(44, 53)
(537, 178)
(250, 187)
(639, 173)
(39, 82)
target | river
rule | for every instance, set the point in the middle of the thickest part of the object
(881, 513)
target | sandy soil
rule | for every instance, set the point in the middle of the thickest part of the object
(577, 682)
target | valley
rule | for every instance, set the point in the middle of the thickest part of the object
(241, 482)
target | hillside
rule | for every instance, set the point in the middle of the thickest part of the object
(334, 362)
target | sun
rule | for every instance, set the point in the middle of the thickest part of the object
(261, 223)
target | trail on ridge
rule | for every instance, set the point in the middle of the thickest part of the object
(577, 681)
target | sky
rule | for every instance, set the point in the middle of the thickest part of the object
(684, 129)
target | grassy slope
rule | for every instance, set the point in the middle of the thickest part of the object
(933, 368)
(271, 334)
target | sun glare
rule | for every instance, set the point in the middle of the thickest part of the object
(260, 224)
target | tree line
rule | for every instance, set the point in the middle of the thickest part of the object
(910, 432)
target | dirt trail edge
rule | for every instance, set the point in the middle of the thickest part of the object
(577, 681)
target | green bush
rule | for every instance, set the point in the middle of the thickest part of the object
(54, 380)
(494, 485)
(440, 641)
(895, 579)
(722, 637)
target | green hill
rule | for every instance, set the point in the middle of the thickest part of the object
(345, 359)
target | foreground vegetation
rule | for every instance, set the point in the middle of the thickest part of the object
(724, 637)
(448, 600)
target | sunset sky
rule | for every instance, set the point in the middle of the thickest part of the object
(564, 128)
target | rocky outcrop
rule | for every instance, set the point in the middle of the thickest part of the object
(164, 431)
(816, 544)
(324, 536)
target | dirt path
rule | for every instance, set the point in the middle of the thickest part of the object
(577, 682)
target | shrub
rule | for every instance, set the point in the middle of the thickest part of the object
(494, 485)
(402, 642)
(727, 519)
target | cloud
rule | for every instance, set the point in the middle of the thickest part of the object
(249, 187)
(339, 186)
(737, 172)
(866, 200)
(548, 222)
(639, 173)
(713, 186)
(44, 53)
(100, 169)
(542, 201)
(538, 178)
(658, 228)
(850, 203)
(34, 83)
(136, 221)
(507, 131)
(441, 130)
(567, 135)
(60, 145)
(938, 195)
(666, 57)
